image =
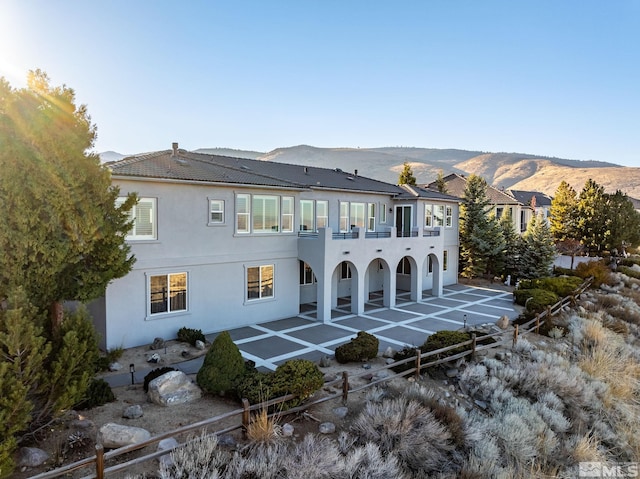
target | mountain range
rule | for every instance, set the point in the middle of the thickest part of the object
(517, 171)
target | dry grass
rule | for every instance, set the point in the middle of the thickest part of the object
(262, 427)
(587, 449)
(594, 333)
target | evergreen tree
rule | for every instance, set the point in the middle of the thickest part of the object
(406, 176)
(474, 228)
(496, 247)
(624, 222)
(441, 185)
(563, 212)
(592, 222)
(511, 246)
(538, 252)
(63, 238)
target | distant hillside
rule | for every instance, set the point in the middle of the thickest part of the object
(504, 170)
(107, 156)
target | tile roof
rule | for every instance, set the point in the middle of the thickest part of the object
(191, 166)
(456, 185)
(524, 197)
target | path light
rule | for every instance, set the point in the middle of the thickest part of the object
(465, 321)
(132, 369)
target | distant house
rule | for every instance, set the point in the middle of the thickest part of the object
(502, 202)
(539, 202)
(225, 242)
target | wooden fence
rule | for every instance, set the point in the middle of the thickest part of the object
(434, 358)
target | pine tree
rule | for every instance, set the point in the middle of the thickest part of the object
(496, 247)
(592, 223)
(624, 222)
(475, 228)
(406, 176)
(539, 250)
(441, 185)
(511, 246)
(563, 212)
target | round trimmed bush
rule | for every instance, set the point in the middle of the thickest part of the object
(190, 335)
(98, 394)
(296, 376)
(535, 300)
(223, 366)
(364, 346)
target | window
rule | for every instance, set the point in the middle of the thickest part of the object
(357, 215)
(345, 270)
(428, 216)
(216, 212)
(306, 274)
(265, 214)
(143, 216)
(260, 282)
(322, 214)
(404, 266)
(499, 212)
(167, 293)
(438, 215)
(243, 211)
(344, 217)
(445, 260)
(306, 215)
(523, 221)
(371, 217)
(383, 213)
(287, 214)
(448, 219)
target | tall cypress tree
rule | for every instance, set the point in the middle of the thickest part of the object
(564, 212)
(539, 249)
(592, 221)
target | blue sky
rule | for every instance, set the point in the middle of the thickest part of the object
(547, 77)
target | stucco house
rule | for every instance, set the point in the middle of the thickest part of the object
(537, 201)
(225, 242)
(502, 203)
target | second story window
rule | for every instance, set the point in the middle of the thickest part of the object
(243, 211)
(322, 214)
(357, 215)
(371, 217)
(438, 215)
(265, 214)
(306, 215)
(448, 218)
(344, 217)
(216, 212)
(143, 215)
(428, 216)
(287, 214)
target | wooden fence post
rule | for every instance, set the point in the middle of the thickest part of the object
(473, 345)
(245, 415)
(538, 322)
(418, 360)
(345, 387)
(515, 335)
(99, 461)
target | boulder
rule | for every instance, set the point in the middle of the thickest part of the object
(165, 445)
(115, 366)
(200, 345)
(116, 435)
(158, 343)
(287, 430)
(31, 457)
(132, 412)
(172, 388)
(341, 411)
(503, 322)
(327, 428)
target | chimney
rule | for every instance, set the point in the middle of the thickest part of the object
(355, 172)
(175, 149)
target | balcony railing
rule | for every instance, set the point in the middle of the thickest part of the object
(378, 234)
(431, 233)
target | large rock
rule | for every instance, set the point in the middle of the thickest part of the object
(172, 388)
(503, 322)
(31, 457)
(115, 435)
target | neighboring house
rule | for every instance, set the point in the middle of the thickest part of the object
(501, 202)
(537, 201)
(225, 242)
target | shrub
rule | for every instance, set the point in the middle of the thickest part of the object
(364, 346)
(223, 366)
(630, 261)
(445, 338)
(296, 376)
(110, 357)
(598, 269)
(98, 394)
(561, 285)
(189, 335)
(404, 353)
(535, 300)
(632, 273)
(155, 373)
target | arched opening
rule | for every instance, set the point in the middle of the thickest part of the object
(432, 276)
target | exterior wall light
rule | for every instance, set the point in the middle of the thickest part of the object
(132, 369)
